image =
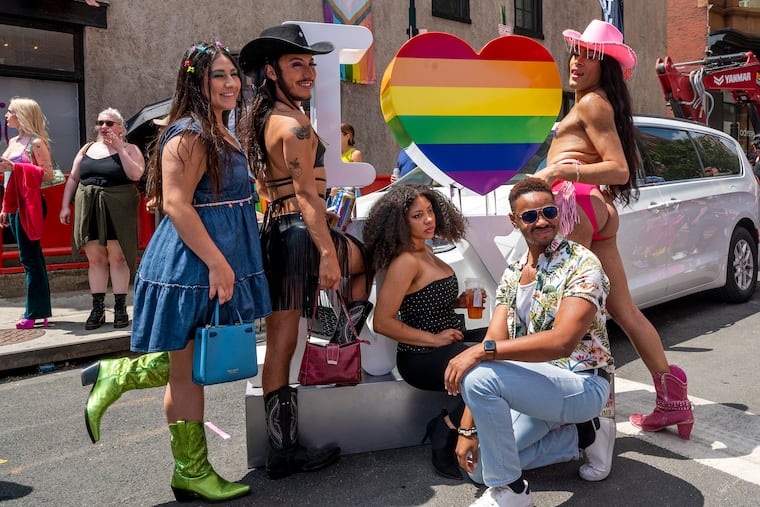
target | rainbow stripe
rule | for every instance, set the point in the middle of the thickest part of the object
(354, 12)
(478, 117)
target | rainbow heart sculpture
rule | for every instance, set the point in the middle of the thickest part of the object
(471, 118)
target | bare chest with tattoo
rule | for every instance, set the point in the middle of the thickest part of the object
(294, 163)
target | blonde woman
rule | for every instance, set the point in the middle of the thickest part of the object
(28, 159)
(105, 213)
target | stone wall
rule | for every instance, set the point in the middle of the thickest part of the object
(133, 62)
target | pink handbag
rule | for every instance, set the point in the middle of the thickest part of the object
(331, 363)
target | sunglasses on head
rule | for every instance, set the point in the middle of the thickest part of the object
(548, 212)
(108, 123)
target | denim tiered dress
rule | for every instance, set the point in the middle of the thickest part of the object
(171, 285)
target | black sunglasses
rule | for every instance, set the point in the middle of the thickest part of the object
(108, 123)
(548, 212)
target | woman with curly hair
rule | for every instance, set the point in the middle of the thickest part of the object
(415, 304)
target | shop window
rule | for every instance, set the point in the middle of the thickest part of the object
(46, 65)
(457, 10)
(33, 48)
(529, 18)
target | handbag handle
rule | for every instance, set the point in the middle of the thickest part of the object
(342, 305)
(234, 309)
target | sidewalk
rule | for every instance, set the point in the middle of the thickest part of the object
(65, 337)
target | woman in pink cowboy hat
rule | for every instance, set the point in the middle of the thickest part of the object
(594, 145)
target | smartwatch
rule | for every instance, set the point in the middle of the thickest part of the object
(490, 348)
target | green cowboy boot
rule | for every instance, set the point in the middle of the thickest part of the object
(193, 474)
(112, 377)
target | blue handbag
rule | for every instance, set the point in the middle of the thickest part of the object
(224, 353)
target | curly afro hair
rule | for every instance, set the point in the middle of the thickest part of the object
(386, 231)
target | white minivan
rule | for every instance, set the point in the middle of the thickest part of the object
(693, 227)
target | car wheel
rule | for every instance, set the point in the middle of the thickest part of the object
(741, 271)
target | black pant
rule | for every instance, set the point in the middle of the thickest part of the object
(424, 370)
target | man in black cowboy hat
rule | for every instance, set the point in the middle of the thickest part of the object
(300, 252)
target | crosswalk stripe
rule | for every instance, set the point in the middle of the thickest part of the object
(723, 438)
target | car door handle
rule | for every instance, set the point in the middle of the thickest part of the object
(655, 205)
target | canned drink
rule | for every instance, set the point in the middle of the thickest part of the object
(334, 207)
(345, 207)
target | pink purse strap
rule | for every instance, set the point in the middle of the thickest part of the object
(342, 305)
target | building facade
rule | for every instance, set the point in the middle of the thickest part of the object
(77, 60)
(700, 29)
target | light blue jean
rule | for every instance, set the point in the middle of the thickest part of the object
(525, 415)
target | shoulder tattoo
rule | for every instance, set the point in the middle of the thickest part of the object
(301, 133)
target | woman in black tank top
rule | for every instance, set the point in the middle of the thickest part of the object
(105, 213)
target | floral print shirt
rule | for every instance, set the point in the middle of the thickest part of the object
(565, 269)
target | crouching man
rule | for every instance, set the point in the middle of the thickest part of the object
(535, 387)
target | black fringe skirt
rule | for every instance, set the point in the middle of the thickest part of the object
(291, 262)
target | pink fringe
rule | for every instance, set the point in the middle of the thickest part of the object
(568, 211)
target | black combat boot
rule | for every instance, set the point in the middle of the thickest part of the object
(98, 314)
(120, 316)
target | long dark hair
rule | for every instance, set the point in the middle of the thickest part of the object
(386, 231)
(613, 84)
(256, 116)
(189, 101)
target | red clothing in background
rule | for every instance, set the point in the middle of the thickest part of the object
(23, 194)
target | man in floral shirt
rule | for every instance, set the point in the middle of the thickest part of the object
(536, 385)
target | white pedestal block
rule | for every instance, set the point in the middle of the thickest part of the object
(380, 413)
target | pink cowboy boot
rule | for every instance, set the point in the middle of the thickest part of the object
(673, 407)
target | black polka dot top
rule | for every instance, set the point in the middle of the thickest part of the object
(431, 309)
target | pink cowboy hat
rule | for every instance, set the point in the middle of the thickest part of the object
(604, 38)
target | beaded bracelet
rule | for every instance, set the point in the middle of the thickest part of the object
(467, 432)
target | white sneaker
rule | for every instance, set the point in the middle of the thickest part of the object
(599, 454)
(505, 497)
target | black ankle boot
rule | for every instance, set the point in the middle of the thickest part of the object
(286, 456)
(98, 314)
(444, 443)
(120, 316)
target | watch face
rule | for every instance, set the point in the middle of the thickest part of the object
(489, 346)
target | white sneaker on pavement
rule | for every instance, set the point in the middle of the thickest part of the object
(599, 454)
(505, 497)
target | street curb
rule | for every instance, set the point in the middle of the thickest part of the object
(64, 352)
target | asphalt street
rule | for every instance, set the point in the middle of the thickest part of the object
(46, 457)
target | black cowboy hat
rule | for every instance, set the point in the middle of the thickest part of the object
(276, 41)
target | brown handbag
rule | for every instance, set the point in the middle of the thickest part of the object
(331, 363)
